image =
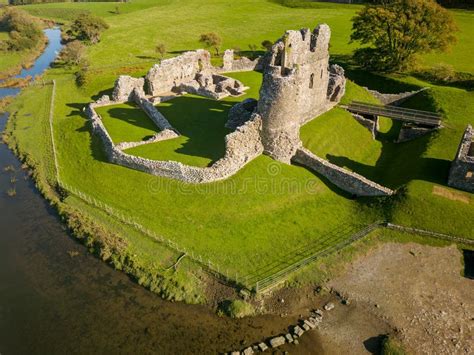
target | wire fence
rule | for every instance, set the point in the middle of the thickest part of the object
(257, 282)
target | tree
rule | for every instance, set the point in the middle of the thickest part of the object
(253, 48)
(267, 45)
(211, 39)
(72, 53)
(160, 49)
(24, 30)
(396, 30)
(87, 27)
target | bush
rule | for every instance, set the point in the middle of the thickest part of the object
(236, 309)
(211, 39)
(72, 54)
(444, 74)
(81, 75)
(391, 346)
(24, 30)
(267, 45)
(87, 27)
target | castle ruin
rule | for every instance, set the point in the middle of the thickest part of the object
(298, 86)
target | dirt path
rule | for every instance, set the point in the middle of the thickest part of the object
(417, 290)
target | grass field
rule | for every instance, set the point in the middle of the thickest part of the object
(252, 222)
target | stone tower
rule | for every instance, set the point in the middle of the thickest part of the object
(294, 89)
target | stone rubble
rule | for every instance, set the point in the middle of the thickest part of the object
(277, 341)
(310, 323)
(329, 306)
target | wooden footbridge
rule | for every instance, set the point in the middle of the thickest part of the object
(424, 118)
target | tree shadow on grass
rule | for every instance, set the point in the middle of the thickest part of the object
(398, 163)
(371, 80)
(327, 182)
(202, 121)
(97, 96)
(78, 110)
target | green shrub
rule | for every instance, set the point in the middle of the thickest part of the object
(445, 74)
(87, 28)
(391, 346)
(71, 54)
(24, 29)
(82, 77)
(236, 309)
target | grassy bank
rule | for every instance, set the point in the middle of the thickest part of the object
(259, 220)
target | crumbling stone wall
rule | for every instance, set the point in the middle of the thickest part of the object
(213, 85)
(372, 124)
(230, 64)
(171, 73)
(461, 174)
(409, 132)
(342, 178)
(125, 86)
(158, 119)
(242, 146)
(394, 99)
(241, 113)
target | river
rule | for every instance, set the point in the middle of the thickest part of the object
(54, 303)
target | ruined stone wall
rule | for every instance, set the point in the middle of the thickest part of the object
(230, 64)
(371, 124)
(242, 146)
(158, 119)
(409, 132)
(294, 88)
(342, 178)
(125, 86)
(160, 136)
(461, 174)
(172, 72)
(394, 99)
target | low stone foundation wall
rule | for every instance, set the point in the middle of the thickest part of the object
(409, 132)
(242, 146)
(160, 136)
(394, 99)
(158, 119)
(342, 178)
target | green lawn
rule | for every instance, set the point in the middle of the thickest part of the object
(256, 220)
(127, 123)
(244, 224)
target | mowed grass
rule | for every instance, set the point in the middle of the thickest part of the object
(127, 123)
(242, 224)
(141, 24)
(254, 219)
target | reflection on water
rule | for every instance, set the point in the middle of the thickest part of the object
(53, 303)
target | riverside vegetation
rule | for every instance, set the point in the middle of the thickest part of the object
(237, 224)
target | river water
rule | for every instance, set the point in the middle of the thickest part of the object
(52, 303)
